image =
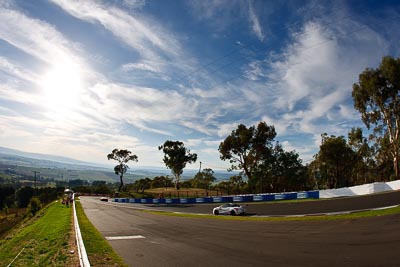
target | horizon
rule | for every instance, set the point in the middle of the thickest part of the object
(72, 161)
(80, 78)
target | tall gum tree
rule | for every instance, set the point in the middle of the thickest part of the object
(123, 156)
(176, 156)
(376, 97)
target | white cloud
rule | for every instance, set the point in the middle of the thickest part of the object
(11, 68)
(256, 27)
(134, 4)
(145, 66)
(225, 129)
(33, 36)
(147, 37)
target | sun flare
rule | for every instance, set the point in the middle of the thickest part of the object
(61, 87)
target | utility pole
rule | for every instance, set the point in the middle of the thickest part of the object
(200, 167)
(34, 185)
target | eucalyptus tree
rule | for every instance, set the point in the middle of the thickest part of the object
(204, 179)
(363, 171)
(176, 156)
(246, 148)
(377, 97)
(123, 156)
(335, 162)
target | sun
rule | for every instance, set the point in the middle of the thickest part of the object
(61, 87)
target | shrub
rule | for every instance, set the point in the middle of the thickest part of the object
(34, 205)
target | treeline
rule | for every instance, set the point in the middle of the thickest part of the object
(20, 198)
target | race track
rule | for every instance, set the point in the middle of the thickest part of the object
(145, 239)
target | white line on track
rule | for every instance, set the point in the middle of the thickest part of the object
(124, 237)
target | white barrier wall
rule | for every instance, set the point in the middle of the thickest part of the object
(359, 190)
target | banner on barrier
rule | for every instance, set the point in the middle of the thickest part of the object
(302, 195)
(258, 198)
(200, 200)
(217, 199)
(237, 199)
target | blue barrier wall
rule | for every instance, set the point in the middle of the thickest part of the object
(223, 199)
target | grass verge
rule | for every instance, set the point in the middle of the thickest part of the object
(355, 215)
(99, 252)
(43, 240)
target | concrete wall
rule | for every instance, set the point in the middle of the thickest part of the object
(358, 190)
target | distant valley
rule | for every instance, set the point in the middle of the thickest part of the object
(24, 165)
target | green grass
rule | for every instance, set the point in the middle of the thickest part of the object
(99, 252)
(356, 215)
(41, 241)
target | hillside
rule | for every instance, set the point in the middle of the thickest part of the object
(23, 165)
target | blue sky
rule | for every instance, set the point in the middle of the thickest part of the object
(80, 78)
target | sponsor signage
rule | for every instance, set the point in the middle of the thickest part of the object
(200, 200)
(217, 199)
(237, 199)
(258, 198)
(279, 196)
(168, 200)
(302, 195)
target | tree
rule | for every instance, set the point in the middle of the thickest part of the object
(336, 161)
(176, 156)
(288, 171)
(236, 182)
(161, 181)
(24, 195)
(6, 192)
(377, 98)
(204, 179)
(364, 162)
(34, 205)
(142, 184)
(123, 156)
(246, 147)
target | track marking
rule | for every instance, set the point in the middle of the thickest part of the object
(126, 237)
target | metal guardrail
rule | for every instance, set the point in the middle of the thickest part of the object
(83, 258)
(223, 199)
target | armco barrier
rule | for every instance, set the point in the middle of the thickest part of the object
(222, 199)
(329, 193)
(83, 257)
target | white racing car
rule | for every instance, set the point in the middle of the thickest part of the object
(229, 209)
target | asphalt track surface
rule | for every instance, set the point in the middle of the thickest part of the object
(146, 239)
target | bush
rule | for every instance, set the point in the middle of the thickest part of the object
(34, 205)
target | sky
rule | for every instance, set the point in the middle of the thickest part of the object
(80, 78)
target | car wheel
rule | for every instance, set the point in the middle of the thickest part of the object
(233, 213)
(216, 212)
